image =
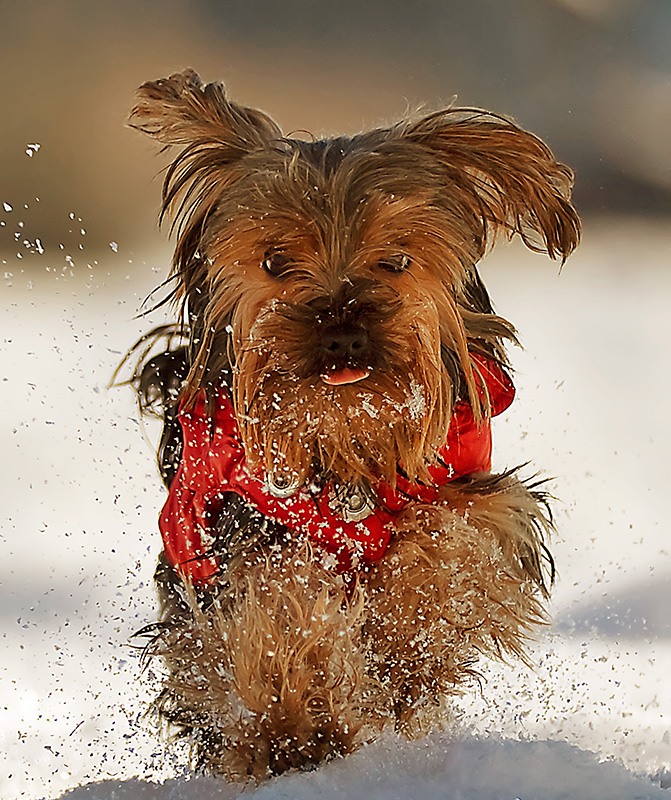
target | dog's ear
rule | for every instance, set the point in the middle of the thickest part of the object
(510, 176)
(182, 110)
(213, 136)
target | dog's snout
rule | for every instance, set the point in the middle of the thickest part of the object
(344, 342)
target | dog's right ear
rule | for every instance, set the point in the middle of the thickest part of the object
(213, 136)
(182, 110)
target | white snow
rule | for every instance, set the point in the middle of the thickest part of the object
(434, 769)
(80, 496)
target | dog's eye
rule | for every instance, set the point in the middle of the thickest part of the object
(275, 263)
(397, 263)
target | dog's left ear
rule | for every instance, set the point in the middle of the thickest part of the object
(510, 176)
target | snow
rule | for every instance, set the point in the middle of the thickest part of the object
(79, 543)
(433, 769)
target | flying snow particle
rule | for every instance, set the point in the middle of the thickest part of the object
(415, 402)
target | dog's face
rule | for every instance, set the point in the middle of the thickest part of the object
(337, 280)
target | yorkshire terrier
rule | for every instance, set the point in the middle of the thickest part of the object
(337, 552)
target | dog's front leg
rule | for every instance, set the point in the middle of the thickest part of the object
(462, 578)
(269, 674)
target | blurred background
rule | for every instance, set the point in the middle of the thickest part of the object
(592, 77)
(80, 249)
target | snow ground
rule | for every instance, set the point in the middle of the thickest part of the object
(80, 497)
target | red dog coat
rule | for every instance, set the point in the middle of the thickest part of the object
(213, 462)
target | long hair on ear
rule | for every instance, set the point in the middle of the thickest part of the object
(514, 180)
(182, 110)
(215, 135)
(213, 132)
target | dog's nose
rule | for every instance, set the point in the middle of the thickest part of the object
(344, 342)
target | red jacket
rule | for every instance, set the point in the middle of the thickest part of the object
(213, 462)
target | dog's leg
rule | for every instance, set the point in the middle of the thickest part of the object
(461, 579)
(268, 674)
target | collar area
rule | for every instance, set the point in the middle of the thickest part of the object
(349, 526)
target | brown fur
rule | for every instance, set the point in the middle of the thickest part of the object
(270, 673)
(293, 259)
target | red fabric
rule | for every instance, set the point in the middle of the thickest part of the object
(213, 462)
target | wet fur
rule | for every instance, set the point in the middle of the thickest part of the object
(280, 663)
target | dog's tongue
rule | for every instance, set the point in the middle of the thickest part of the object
(339, 377)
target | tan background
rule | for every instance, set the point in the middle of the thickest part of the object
(593, 77)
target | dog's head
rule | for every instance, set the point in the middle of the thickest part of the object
(335, 280)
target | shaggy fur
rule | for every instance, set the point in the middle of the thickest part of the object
(332, 286)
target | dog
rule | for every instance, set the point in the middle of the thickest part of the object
(338, 554)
